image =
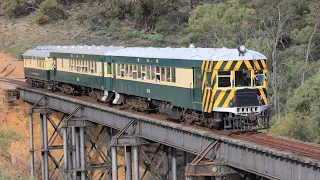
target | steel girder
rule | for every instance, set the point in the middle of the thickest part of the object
(258, 159)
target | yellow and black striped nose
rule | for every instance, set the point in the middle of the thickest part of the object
(212, 96)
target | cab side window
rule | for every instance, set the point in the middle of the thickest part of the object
(197, 76)
(208, 79)
(224, 79)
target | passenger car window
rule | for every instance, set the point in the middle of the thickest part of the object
(153, 74)
(139, 71)
(168, 74)
(173, 74)
(148, 72)
(109, 68)
(163, 77)
(118, 69)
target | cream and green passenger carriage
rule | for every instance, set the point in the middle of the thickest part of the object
(82, 68)
(37, 64)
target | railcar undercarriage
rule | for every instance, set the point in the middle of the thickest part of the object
(247, 123)
(214, 120)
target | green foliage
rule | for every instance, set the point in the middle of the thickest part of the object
(225, 24)
(259, 44)
(143, 14)
(11, 8)
(147, 12)
(156, 38)
(303, 122)
(7, 136)
(100, 17)
(127, 33)
(305, 99)
(284, 126)
(165, 27)
(50, 10)
(5, 174)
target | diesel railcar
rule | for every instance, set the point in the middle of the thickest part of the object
(213, 87)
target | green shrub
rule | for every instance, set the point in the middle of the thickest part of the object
(7, 136)
(177, 17)
(11, 8)
(155, 38)
(97, 18)
(147, 12)
(165, 27)
(49, 11)
(14, 174)
(97, 24)
(127, 33)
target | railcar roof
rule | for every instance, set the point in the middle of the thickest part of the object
(40, 51)
(89, 50)
(44, 51)
(214, 54)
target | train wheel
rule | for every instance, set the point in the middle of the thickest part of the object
(92, 94)
(98, 96)
(188, 118)
(64, 89)
(54, 89)
(70, 90)
(213, 124)
(143, 106)
(182, 118)
(131, 103)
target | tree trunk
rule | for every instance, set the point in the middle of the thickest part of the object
(309, 50)
(191, 4)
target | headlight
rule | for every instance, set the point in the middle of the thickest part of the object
(242, 48)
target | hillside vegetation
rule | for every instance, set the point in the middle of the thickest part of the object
(286, 31)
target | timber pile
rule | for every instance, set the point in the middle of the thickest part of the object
(8, 95)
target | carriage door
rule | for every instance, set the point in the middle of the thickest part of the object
(108, 75)
(197, 79)
(101, 72)
(53, 67)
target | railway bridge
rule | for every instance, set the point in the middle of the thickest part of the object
(93, 136)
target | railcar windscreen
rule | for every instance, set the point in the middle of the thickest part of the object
(243, 78)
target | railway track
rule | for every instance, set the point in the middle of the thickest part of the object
(282, 144)
(12, 81)
(293, 146)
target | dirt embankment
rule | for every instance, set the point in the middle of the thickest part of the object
(10, 67)
(14, 142)
(14, 134)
